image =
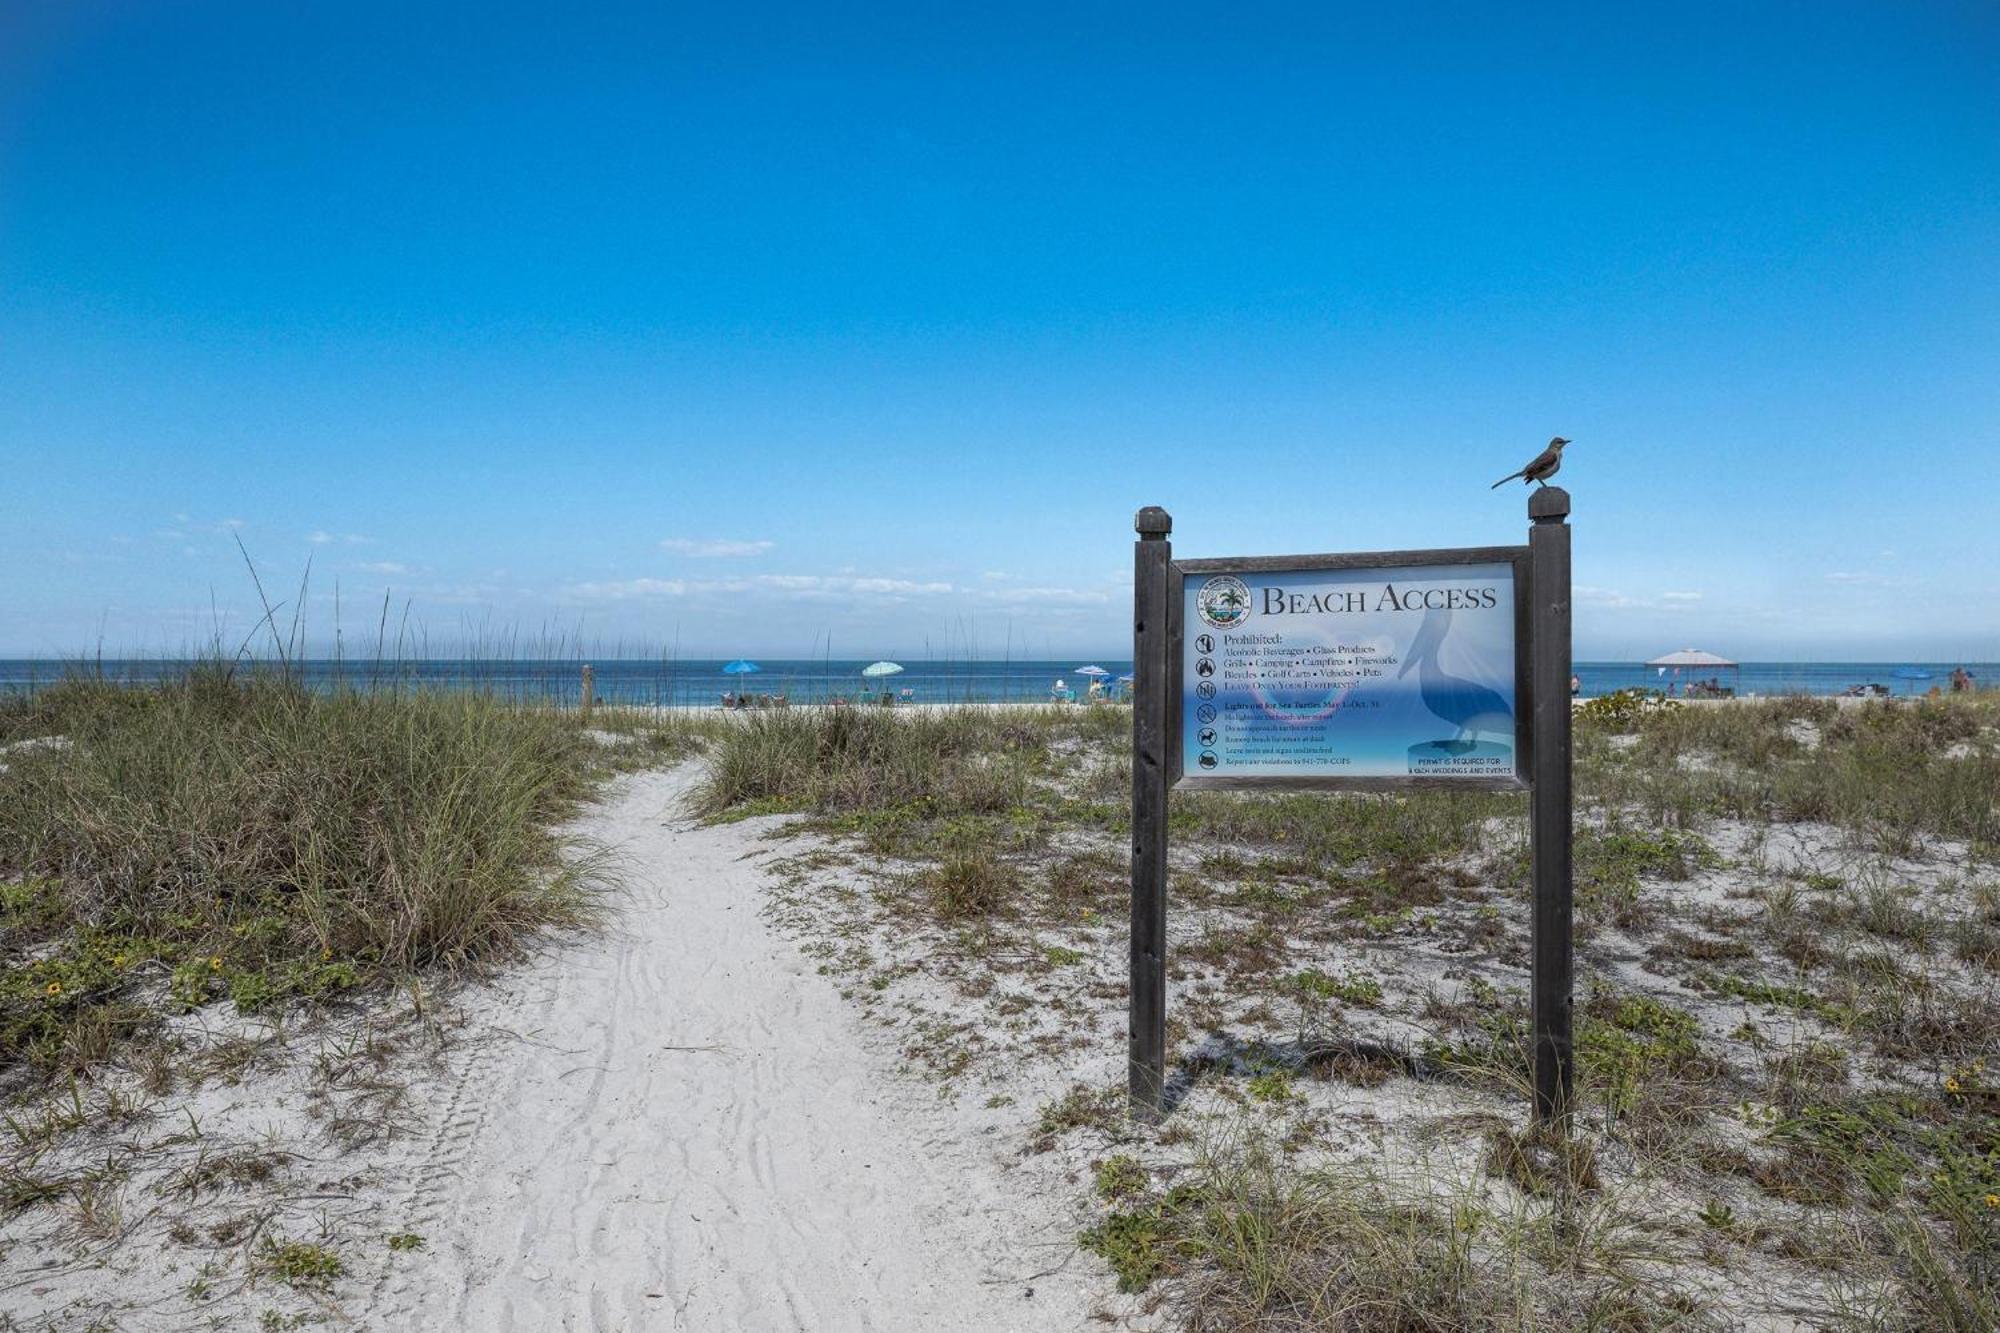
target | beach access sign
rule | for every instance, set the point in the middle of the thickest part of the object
(1336, 671)
(1370, 671)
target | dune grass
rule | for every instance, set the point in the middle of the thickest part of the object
(837, 760)
(1891, 772)
(1784, 1038)
(233, 834)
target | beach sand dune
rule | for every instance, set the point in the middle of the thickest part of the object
(682, 1125)
(672, 1122)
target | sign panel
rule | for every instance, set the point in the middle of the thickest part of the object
(1335, 671)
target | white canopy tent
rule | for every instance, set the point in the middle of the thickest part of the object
(1693, 660)
(1691, 657)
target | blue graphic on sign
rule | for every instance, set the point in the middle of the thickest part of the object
(1350, 673)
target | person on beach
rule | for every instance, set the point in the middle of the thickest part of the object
(1575, 686)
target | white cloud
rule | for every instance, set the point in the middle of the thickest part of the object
(321, 537)
(711, 548)
(843, 585)
(807, 587)
(623, 589)
(391, 567)
(769, 594)
(1048, 596)
(1616, 599)
(1605, 599)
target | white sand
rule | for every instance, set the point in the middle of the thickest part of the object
(698, 1133)
(676, 1123)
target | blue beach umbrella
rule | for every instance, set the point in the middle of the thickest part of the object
(740, 668)
(1092, 671)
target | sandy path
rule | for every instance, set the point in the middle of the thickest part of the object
(695, 1131)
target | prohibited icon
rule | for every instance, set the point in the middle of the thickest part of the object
(1206, 689)
(1207, 736)
(1208, 759)
(1205, 644)
(1204, 668)
(1205, 713)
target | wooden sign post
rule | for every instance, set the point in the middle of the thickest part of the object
(1550, 810)
(1152, 691)
(1371, 671)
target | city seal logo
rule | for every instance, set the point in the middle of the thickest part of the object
(1223, 601)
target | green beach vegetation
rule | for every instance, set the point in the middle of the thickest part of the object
(231, 836)
(1789, 952)
(1788, 1031)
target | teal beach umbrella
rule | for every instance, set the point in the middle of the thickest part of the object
(881, 671)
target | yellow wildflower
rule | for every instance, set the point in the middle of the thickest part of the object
(1951, 1085)
(1993, 1201)
(215, 963)
(53, 988)
(118, 960)
(326, 955)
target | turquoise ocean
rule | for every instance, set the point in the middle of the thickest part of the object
(669, 682)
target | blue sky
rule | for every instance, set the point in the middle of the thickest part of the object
(753, 328)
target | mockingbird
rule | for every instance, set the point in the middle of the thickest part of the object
(1547, 463)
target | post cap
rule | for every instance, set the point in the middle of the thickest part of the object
(1548, 504)
(1153, 521)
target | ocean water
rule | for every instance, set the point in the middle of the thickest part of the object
(685, 682)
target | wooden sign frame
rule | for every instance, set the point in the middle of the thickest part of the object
(1542, 650)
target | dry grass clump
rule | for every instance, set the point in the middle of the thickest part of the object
(1891, 771)
(1343, 830)
(233, 833)
(1256, 1243)
(845, 760)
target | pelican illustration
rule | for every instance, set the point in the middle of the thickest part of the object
(1466, 704)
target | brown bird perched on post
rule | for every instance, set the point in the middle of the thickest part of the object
(1547, 463)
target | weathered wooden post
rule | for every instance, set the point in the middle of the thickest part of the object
(589, 689)
(1550, 818)
(1152, 680)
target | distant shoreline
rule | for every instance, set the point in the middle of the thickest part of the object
(701, 683)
